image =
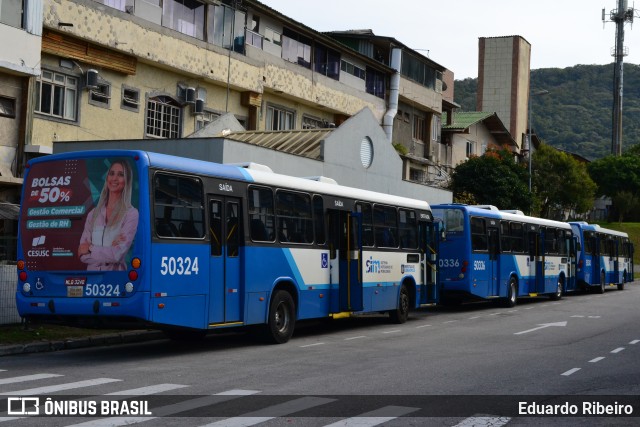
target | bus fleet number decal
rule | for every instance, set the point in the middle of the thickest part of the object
(479, 265)
(101, 290)
(181, 266)
(444, 263)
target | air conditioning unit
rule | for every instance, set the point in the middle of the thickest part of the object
(198, 107)
(190, 96)
(92, 79)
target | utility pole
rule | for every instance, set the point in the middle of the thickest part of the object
(620, 16)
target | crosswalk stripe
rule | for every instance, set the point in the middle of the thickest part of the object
(483, 421)
(271, 412)
(144, 391)
(24, 378)
(168, 410)
(374, 418)
(59, 387)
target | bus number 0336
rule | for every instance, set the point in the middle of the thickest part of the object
(181, 266)
(444, 262)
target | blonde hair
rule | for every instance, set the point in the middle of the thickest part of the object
(124, 203)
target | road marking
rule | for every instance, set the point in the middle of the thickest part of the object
(27, 378)
(393, 331)
(617, 350)
(271, 412)
(493, 314)
(144, 391)
(422, 326)
(374, 418)
(164, 411)
(474, 317)
(483, 421)
(597, 359)
(528, 308)
(312, 345)
(634, 342)
(594, 317)
(355, 338)
(578, 316)
(541, 326)
(570, 371)
(60, 387)
(449, 321)
(512, 311)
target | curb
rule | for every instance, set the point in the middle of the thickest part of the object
(94, 341)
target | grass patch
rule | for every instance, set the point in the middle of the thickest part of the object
(19, 334)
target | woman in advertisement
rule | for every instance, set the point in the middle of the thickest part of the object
(111, 226)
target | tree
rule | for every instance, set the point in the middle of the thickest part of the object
(619, 179)
(561, 182)
(492, 179)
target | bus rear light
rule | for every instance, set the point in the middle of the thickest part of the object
(128, 287)
(26, 288)
(23, 275)
(160, 294)
(580, 264)
(37, 304)
(133, 275)
(111, 304)
(20, 265)
(161, 306)
(136, 263)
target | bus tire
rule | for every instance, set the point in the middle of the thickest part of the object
(621, 286)
(559, 290)
(401, 313)
(512, 294)
(602, 286)
(281, 319)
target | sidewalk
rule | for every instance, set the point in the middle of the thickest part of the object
(90, 341)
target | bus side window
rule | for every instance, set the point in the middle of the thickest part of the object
(478, 235)
(215, 228)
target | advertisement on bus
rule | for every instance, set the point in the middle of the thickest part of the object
(80, 214)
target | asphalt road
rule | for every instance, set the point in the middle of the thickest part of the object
(467, 365)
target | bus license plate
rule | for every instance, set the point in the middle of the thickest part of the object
(75, 291)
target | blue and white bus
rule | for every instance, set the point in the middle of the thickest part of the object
(604, 257)
(133, 237)
(487, 254)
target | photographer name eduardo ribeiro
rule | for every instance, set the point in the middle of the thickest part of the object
(31, 406)
(567, 408)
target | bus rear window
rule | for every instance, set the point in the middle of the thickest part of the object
(452, 219)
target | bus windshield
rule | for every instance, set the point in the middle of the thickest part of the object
(452, 220)
(79, 214)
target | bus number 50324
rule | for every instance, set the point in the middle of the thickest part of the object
(178, 266)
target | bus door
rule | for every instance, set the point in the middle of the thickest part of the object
(430, 235)
(572, 245)
(615, 251)
(595, 259)
(536, 265)
(493, 268)
(225, 233)
(345, 230)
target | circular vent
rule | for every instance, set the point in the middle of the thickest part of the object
(366, 152)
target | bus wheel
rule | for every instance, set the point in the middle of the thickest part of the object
(602, 284)
(621, 286)
(401, 314)
(558, 293)
(282, 318)
(512, 294)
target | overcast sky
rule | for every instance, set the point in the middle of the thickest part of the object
(562, 33)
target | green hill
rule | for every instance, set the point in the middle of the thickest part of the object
(576, 115)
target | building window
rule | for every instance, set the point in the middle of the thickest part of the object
(354, 70)
(225, 27)
(375, 83)
(326, 62)
(7, 107)
(204, 119)
(130, 99)
(471, 149)
(57, 95)
(101, 95)
(11, 13)
(273, 36)
(279, 118)
(418, 128)
(436, 126)
(185, 16)
(312, 123)
(116, 4)
(163, 117)
(296, 48)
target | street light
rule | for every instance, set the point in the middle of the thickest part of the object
(531, 95)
